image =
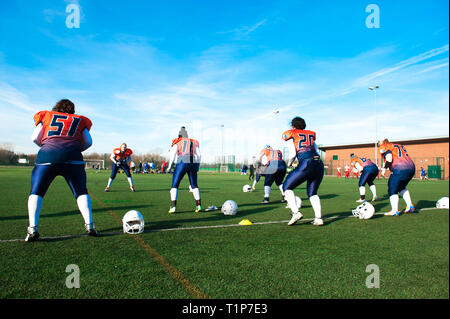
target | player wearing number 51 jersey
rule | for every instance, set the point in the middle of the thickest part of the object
(402, 171)
(61, 136)
(186, 153)
(302, 146)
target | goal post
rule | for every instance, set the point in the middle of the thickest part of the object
(94, 164)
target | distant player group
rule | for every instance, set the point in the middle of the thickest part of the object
(62, 137)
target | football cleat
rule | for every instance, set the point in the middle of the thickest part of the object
(295, 218)
(132, 189)
(198, 208)
(266, 200)
(317, 222)
(32, 234)
(107, 189)
(90, 229)
(375, 199)
(360, 200)
(283, 200)
(391, 213)
(172, 210)
(409, 210)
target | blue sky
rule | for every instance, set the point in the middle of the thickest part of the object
(141, 69)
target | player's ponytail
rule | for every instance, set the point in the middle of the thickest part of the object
(64, 106)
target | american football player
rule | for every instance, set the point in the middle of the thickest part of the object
(274, 171)
(120, 157)
(347, 171)
(369, 172)
(339, 172)
(185, 152)
(62, 136)
(402, 171)
(310, 168)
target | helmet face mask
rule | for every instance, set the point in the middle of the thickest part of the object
(133, 222)
(364, 211)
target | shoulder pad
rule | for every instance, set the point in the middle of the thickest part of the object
(287, 135)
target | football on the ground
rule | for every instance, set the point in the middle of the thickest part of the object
(229, 207)
(246, 188)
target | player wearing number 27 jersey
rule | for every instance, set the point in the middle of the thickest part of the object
(402, 169)
(302, 146)
(61, 136)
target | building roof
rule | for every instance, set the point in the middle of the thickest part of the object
(424, 140)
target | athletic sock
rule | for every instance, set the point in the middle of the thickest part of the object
(315, 203)
(130, 181)
(362, 191)
(394, 202)
(196, 193)
(373, 189)
(173, 194)
(84, 205)
(34, 209)
(281, 189)
(266, 191)
(110, 180)
(407, 197)
(290, 197)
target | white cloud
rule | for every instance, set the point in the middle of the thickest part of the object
(145, 106)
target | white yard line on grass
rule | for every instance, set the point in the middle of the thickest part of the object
(193, 227)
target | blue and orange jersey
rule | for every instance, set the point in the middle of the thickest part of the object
(186, 146)
(122, 156)
(303, 141)
(400, 157)
(271, 155)
(62, 125)
(361, 161)
(62, 136)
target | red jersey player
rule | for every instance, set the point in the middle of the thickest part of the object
(120, 157)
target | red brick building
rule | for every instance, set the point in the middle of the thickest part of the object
(430, 153)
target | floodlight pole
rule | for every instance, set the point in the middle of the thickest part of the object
(374, 89)
(221, 158)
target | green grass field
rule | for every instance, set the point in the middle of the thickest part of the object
(270, 260)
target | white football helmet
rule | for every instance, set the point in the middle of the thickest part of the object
(246, 188)
(133, 222)
(229, 208)
(442, 203)
(364, 211)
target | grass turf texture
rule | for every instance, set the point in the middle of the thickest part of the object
(258, 261)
